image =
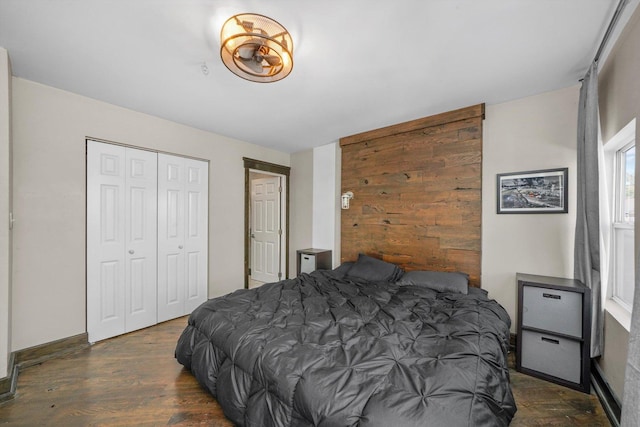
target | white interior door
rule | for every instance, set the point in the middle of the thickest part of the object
(182, 235)
(265, 229)
(121, 240)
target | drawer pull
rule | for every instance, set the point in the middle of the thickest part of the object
(550, 340)
(552, 296)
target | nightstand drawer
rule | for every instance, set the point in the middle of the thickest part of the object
(552, 310)
(307, 263)
(551, 355)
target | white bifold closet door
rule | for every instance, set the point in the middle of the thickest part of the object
(182, 235)
(121, 240)
(146, 238)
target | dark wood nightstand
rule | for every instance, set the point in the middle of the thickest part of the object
(554, 330)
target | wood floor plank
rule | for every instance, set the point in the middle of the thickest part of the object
(135, 380)
(541, 403)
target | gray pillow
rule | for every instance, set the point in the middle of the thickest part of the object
(440, 281)
(374, 270)
(343, 268)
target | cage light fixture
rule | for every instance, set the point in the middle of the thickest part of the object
(256, 48)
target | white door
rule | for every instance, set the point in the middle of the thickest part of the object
(121, 239)
(170, 237)
(196, 233)
(265, 229)
(141, 239)
(105, 240)
(182, 235)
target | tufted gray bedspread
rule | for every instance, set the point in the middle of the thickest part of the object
(323, 350)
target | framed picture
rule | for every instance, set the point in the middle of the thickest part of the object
(541, 191)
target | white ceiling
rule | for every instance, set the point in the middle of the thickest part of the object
(358, 64)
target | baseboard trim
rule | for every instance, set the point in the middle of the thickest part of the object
(40, 353)
(608, 399)
(31, 356)
(8, 383)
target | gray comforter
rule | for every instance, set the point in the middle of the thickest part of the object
(330, 351)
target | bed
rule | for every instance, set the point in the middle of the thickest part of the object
(355, 346)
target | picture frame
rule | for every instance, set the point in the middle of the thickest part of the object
(538, 191)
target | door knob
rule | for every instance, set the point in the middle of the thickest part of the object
(131, 251)
(253, 236)
(180, 247)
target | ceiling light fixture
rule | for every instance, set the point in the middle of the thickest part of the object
(256, 48)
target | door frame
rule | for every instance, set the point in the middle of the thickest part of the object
(260, 166)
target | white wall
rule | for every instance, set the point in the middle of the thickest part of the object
(337, 206)
(5, 207)
(300, 206)
(326, 190)
(49, 131)
(315, 207)
(619, 101)
(537, 132)
(614, 358)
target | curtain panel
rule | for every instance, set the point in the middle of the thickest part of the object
(587, 238)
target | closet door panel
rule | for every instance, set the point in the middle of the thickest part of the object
(141, 239)
(171, 261)
(192, 275)
(174, 273)
(196, 232)
(109, 291)
(105, 240)
(136, 291)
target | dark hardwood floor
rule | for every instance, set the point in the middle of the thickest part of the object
(135, 380)
(541, 403)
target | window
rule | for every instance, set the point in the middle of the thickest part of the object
(624, 217)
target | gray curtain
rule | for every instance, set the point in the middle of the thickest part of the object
(587, 241)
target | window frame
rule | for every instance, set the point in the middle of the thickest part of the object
(619, 225)
(620, 177)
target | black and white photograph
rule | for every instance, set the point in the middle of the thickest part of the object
(541, 191)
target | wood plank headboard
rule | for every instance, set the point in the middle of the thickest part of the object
(417, 193)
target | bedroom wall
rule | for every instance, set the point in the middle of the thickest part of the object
(537, 132)
(301, 206)
(49, 130)
(326, 209)
(315, 209)
(5, 208)
(619, 93)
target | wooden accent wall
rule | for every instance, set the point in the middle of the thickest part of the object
(417, 193)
